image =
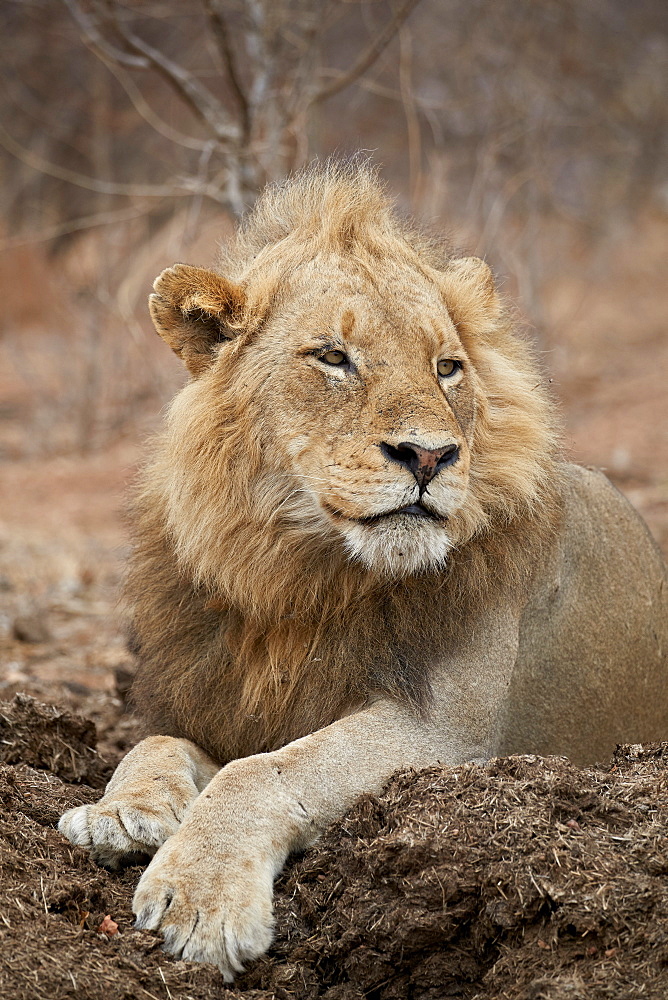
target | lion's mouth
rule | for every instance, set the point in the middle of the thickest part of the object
(414, 510)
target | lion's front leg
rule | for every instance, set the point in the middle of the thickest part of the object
(209, 888)
(143, 804)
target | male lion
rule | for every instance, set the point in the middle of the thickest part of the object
(357, 551)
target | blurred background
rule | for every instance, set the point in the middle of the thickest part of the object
(133, 133)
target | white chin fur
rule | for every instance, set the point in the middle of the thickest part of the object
(394, 548)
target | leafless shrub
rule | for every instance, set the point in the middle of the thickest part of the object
(532, 127)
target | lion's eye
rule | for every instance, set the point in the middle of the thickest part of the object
(334, 358)
(447, 367)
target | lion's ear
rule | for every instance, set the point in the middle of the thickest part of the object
(193, 310)
(471, 295)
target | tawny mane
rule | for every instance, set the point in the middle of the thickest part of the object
(252, 627)
(340, 207)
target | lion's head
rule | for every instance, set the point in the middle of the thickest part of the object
(358, 400)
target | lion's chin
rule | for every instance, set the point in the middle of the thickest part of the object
(399, 546)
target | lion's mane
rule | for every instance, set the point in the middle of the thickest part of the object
(251, 627)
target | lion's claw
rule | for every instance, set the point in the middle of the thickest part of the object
(122, 829)
(225, 919)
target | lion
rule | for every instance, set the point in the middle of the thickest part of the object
(358, 549)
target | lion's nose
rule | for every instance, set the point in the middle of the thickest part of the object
(424, 463)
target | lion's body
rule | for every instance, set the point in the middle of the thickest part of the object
(356, 550)
(589, 672)
(591, 665)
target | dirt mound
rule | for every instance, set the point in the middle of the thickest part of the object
(49, 738)
(53, 900)
(525, 879)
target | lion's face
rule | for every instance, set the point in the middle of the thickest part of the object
(352, 405)
(345, 415)
(373, 400)
(361, 411)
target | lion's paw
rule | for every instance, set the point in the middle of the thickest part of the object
(124, 827)
(208, 909)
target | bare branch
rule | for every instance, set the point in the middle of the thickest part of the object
(222, 35)
(144, 56)
(89, 29)
(410, 111)
(75, 226)
(369, 56)
(177, 188)
(143, 108)
(205, 106)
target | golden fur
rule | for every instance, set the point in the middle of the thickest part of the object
(356, 551)
(253, 624)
